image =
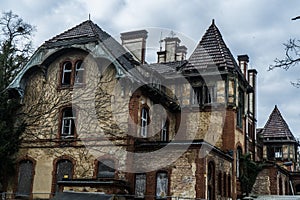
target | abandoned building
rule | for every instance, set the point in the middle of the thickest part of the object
(102, 120)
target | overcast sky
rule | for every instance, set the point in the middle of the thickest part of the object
(254, 27)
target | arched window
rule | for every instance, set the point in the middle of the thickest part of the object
(25, 178)
(144, 122)
(64, 169)
(211, 181)
(72, 73)
(106, 168)
(79, 71)
(164, 131)
(66, 73)
(68, 122)
(161, 185)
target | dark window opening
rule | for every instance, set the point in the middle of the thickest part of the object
(64, 169)
(106, 169)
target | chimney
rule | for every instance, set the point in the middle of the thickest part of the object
(135, 42)
(181, 53)
(243, 63)
(173, 52)
(252, 74)
(171, 44)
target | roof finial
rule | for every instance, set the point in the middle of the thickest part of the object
(90, 16)
(213, 21)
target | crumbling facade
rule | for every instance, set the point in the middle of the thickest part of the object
(101, 119)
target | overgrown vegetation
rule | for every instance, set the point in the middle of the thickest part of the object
(249, 171)
(15, 50)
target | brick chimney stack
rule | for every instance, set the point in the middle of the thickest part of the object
(173, 52)
(135, 42)
(243, 63)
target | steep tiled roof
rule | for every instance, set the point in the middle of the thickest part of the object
(87, 32)
(211, 50)
(276, 127)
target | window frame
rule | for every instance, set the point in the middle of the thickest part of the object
(55, 187)
(144, 121)
(73, 73)
(144, 186)
(164, 133)
(72, 119)
(166, 186)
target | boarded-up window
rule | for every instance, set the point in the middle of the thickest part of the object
(25, 178)
(161, 185)
(140, 185)
(64, 168)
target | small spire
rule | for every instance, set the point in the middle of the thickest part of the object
(90, 16)
(213, 22)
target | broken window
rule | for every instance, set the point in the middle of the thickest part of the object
(161, 185)
(25, 178)
(68, 123)
(140, 185)
(106, 168)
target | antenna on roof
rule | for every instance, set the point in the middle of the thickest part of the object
(172, 34)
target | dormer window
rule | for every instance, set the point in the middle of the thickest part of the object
(72, 73)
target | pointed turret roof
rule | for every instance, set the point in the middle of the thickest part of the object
(276, 128)
(211, 50)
